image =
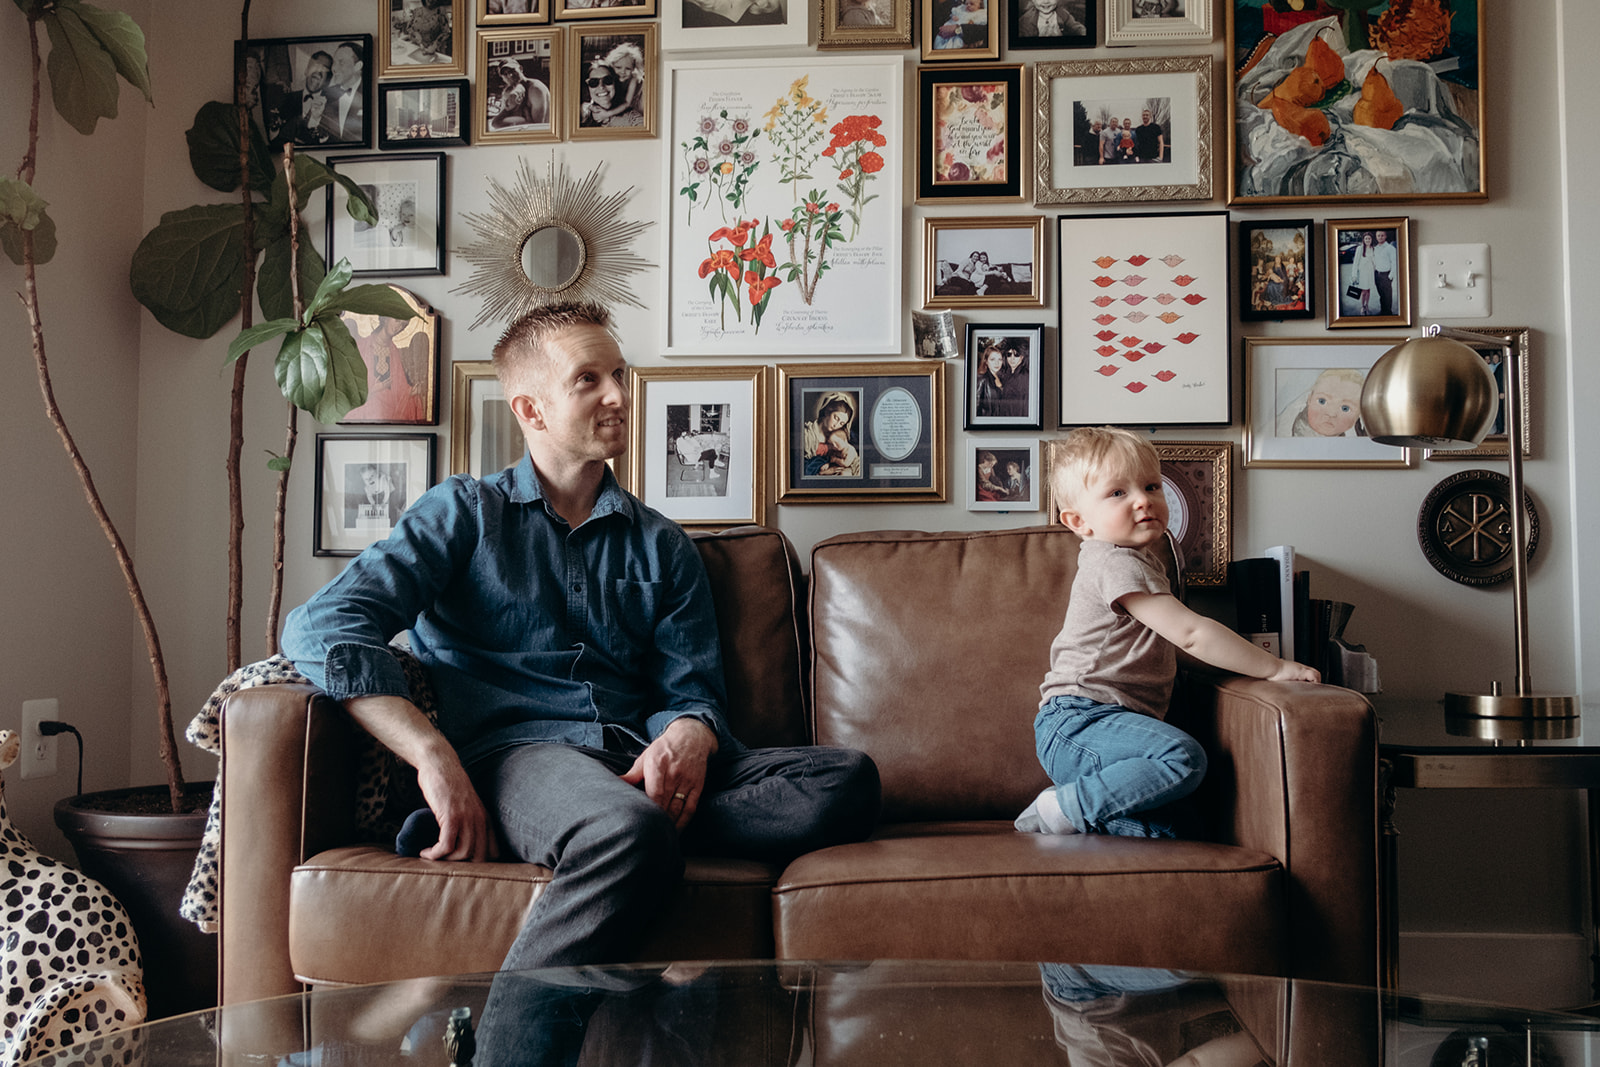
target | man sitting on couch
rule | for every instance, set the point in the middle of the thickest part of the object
(570, 636)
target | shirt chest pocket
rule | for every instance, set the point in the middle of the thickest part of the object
(631, 614)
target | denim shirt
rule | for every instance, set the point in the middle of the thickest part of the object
(530, 630)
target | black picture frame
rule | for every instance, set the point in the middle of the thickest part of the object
(282, 110)
(420, 248)
(424, 114)
(938, 182)
(1260, 242)
(1083, 11)
(990, 403)
(358, 476)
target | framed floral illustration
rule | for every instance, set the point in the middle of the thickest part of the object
(959, 31)
(783, 213)
(484, 436)
(1346, 104)
(1108, 130)
(364, 483)
(1005, 365)
(517, 85)
(611, 93)
(864, 24)
(422, 38)
(408, 237)
(1277, 270)
(1303, 404)
(1145, 322)
(969, 134)
(860, 432)
(1002, 474)
(402, 360)
(1051, 23)
(983, 261)
(1369, 272)
(698, 443)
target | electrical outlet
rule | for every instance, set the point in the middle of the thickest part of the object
(39, 751)
(1453, 281)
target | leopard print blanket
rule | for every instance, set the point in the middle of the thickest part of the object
(386, 787)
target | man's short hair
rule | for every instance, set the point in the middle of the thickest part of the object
(1092, 449)
(522, 346)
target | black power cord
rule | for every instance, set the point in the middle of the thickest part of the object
(52, 727)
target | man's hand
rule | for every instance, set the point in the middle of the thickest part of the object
(673, 768)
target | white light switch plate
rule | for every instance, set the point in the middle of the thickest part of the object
(1453, 281)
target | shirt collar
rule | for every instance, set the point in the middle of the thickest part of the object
(526, 488)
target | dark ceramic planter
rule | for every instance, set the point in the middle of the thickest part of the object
(145, 861)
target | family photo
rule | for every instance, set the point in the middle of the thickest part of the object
(1368, 269)
(1122, 132)
(612, 82)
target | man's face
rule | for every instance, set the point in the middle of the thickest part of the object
(581, 396)
(346, 64)
(1145, 118)
(1383, 237)
(316, 76)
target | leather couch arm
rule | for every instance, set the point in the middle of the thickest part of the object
(288, 792)
(1293, 772)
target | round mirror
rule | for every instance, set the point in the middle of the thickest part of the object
(553, 256)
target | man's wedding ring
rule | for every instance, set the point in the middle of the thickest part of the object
(679, 796)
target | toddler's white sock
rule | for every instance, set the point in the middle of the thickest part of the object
(1044, 816)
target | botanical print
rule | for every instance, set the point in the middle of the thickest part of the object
(970, 133)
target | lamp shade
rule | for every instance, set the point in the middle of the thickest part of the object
(1429, 392)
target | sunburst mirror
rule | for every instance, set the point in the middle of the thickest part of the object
(550, 239)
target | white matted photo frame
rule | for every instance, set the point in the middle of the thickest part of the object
(518, 85)
(740, 24)
(1003, 474)
(1162, 147)
(860, 433)
(864, 24)
(513, 12)
(424, 114)
(1140, 22)
(364, 482)
(611, 93)
(782, 238)
(1495, 444)
(1303, 404)
(1004, 378)
(422, 38)
(698, 443)
(985, 261)
(484, 436)
(1369, 272)
(408, 237)
(1145, 324)
(402, 360)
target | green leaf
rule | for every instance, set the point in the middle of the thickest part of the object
(123, 41)
(279, 463)
(44, 241)
(360, 207)
(22, 209)
(320, 370)
(347, 384)
(83, 78)
(214, 149)
(272, 284)
(372, 300)
(188, 270)
(331, 283)
(259, 334)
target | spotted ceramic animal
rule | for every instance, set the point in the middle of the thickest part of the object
(69, 960)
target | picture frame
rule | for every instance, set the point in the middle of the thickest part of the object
(506, 13)
(568, 10)
(1277, 270)
(1142, 22)
(402, 360)
(1283, 376)
(698, 443)
(1496, 443)
(724, 166)
(1003, 474)
(763, 24)
(1144, 319)
(595, 51)
(1073, 160)
(484, 436)
(1074, 24)
(960, 31)
(515, 93)
(424, 114)
(863, 24)
(1004, 376)
(970, 139)
(408, 237)
(934, 335)
(1427, 146)
(1195, 477)
(364, 483)
(296, 79)
(1381, 304)
(984, 261)
(422, 38)
(884, 423)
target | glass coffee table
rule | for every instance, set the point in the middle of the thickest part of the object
(871, 1014)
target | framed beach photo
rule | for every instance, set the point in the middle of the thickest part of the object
(1277, 270)
(1495, 444)
(1145, 321)
(1005, 371)
(1331, 105)
(740, 24)
(513, 12)
(1369, 272)
(1303, 404)
(311, 92)
(698, 443)
(1140, 22)
(425, 114)
(611, 93)
(408, 236)
(860, 433)
(1003, 474)
(960, 31)
(422, 38)
(983, 261)
(1108, 130)
(484, 436)
(864, 24)
(364, 483)
(519, 74)
(970, 134)
(402, 360)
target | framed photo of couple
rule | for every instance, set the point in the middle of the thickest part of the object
(1005, 365)
(983, 261)
(1369, 272)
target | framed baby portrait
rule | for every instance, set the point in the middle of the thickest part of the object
(970, 134)
(1303, 404)
(1050, 23)
(1005, 362)
(983, 261)
(611, 92)
(860, 433)
(698, 443)
(1277, 270)
(364, 483)
(1369, 272)
(1002, 474)
(959, 31)
(513, 12)
(407, 188)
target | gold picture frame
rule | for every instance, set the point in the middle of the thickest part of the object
(520, 74)
(868, 25)
(484, 437)
(986, 261)
(494, 13)
(1343, 240)
(407, 38)
(1284, 378)
(599, 43)
(1496, 443)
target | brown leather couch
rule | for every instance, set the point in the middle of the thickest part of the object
(924, 650)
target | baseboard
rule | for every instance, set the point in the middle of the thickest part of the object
(1524, 970)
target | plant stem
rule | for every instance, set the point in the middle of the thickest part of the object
(281, 497)
(236, 400)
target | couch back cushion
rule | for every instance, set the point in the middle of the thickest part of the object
(928, 651)
(756, 583)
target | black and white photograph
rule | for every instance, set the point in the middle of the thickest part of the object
(1137, 22)
(566, 10)
(424, 114)
(520, 71)
(408, 235)
(1051, 24)
(864, 24)
(1129, 131)
(983, 262)
(312, 92)
(613, 82)
(363, 485)
(423, 38)
(1002, 474)
(1004, 364)
(707, 14)
(934, 335)
(740, 24)
(513, 12)
(697, 448)
(959, 30)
